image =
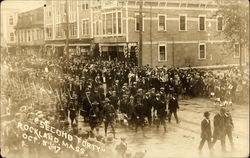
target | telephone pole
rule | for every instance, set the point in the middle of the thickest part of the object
(173, 50)
(67, 28)
(151, 46)
(140, 35)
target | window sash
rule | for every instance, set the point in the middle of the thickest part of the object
(236, 50)
(162, 23)
(114, 23)
(220, 24)
(183, 23)
(137, 25)
(162, 53)
(202, 23)
(202, 51)
(119, 23)
(109, 23)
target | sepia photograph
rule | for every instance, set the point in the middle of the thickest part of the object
(124, 79)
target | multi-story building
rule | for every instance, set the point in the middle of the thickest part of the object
(30, 31)
(175, 32)
(8, 22)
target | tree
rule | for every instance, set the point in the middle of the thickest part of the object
(235, 22)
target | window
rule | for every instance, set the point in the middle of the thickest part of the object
(37, 34)
(114, 23)
(58, 30)
(162, 52)
(73, 29)
(97, 27)
(202, 51)
(183, 21)
(49, 32)
(219, 24)
(83, 6)
(161, 23)
(104, 24)
(29, 38)
(109, 23)
(85, 27)
(236, 50)
(119, 23)
(12, 36)
(11, 20)
(202, 23)
(137, 23)
(32, 35)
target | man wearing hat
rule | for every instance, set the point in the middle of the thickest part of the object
(160, 109)
(148, 103)
(220, 129)
(139, 111)
(173, 105)
(229, 128)
(114, 100)
(86, 105)
(206, 133)
(94, 116)
(109, 113)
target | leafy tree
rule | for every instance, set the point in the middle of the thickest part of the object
(235, 22)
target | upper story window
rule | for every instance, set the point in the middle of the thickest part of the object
(202, 23)
(219, 23)
(202, 51)
(236, 50)
(11, 20)
(85, 6)
(12, 36)
(85, 27)
(137, 22)
(73, 29)
(161, 23)
(112, 23)
(183, 23)
(162, 52)
(49, 32)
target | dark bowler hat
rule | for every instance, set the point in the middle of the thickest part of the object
(206, 113)
(223, 110)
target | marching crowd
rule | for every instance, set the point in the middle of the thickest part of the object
(108, 92)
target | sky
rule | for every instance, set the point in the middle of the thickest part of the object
(22, 5)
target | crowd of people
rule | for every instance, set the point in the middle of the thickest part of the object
(110, 92)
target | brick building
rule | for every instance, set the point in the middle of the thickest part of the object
(176, 32)
(8, 22)
(30, 31)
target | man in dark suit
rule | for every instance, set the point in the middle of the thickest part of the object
(229, 128)
(172, 107)
(160, 108)
(206, 133)
(220, 129)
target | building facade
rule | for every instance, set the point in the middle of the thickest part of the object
(8, 22)
(30, 31)
(175, 33)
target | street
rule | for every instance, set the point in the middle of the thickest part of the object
(182, 139)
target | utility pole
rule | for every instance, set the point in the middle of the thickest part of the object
(67, 28)
(140, 35)
(151, 22)
(173, 50)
